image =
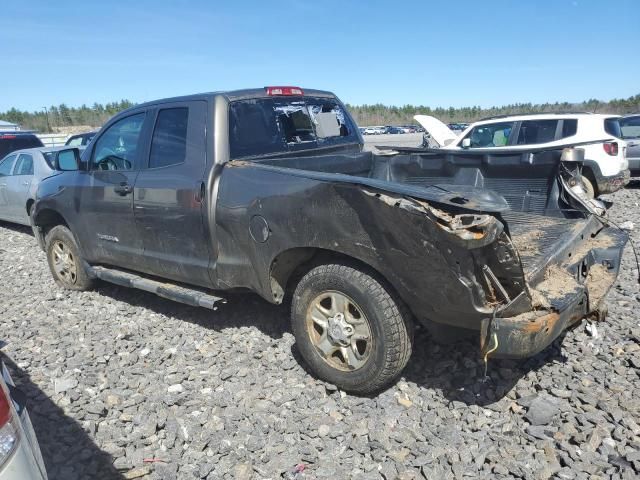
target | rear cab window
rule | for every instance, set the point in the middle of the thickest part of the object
(265, 126)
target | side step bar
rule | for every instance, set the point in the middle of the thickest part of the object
(177, 293)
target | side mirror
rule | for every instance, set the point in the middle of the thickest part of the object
(466, 142)
(68, 160)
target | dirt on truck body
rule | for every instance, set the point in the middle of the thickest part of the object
(270, 190)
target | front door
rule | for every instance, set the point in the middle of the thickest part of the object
(18, 186)
(169, 195)
(108, 224)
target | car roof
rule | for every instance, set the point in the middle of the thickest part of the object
(41, 149)
(76, 135)
(544, 116)
(232, 95)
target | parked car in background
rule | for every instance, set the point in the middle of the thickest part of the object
(630, 129)
(605, 168)
(392, 130)
(20, 174)
(375, 130)
(12, 141)
(80, 139)
(20, 457)
(283, 200)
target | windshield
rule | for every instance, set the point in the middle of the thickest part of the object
(630, 127)
(277, 125)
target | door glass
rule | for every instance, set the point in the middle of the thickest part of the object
(169, 144)
(6, 165)
(492, 135)
(630, 127)
(569, 127)
(75, 142)
(117, 147)
(24, 165)
(537, 131)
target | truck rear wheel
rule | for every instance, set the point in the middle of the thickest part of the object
(351, 329)
(65, 262)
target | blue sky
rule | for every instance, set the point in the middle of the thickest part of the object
(437, 53)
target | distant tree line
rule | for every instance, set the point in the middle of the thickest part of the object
(379, 114)
(51, 118)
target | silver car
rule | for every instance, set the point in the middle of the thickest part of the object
(630, 128)
(20, 457)
(21, 172)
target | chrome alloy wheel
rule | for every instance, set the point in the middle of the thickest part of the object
(64, 263)
(339, 331)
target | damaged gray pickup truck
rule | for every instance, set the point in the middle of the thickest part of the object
(269, 190)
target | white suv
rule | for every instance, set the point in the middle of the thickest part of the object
(605, 168)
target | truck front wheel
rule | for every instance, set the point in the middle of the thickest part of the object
(351, 329)
(65, 262)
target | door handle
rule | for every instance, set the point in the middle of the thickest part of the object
(123, 189)
(200, 192)
(26, 183)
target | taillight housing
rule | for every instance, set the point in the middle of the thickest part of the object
(9, 431)
(285, 91)
(611, 148)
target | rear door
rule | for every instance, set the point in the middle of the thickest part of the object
(106, 225)
(169, 195)
(18, 188)
(6, 168)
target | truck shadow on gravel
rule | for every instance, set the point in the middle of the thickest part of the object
(456, 370)
(68, 451)
(241, 310)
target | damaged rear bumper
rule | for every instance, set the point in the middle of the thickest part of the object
(586, 281)
(614, 182)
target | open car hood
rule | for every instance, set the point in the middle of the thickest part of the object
(438, 130)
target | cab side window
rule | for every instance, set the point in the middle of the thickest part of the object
(169, 143)
(118, 146)
(24, 165)
(6, 165)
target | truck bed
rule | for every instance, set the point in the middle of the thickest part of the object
(525, 184)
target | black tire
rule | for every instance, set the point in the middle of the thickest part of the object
(389, 322)
(60, 238)
(588, 187)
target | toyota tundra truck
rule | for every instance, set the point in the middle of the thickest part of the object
(269, 190)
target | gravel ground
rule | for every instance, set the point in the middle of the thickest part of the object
(123, 384)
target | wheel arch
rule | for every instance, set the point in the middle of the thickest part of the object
(289, 266)
(48, 218)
